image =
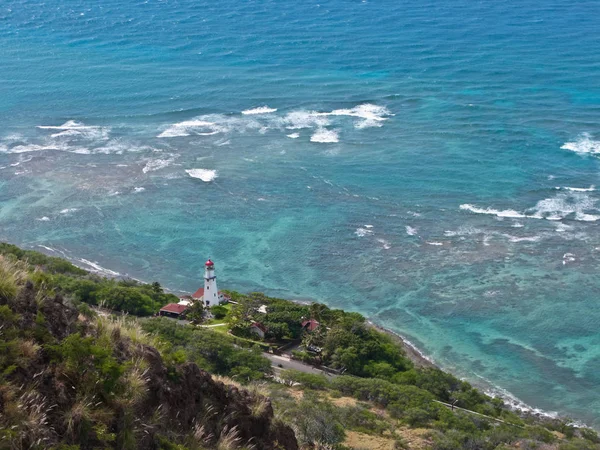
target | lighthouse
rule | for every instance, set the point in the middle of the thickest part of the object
(211, 293)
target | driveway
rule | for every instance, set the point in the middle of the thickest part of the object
(287, 363)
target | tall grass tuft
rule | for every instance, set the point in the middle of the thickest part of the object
(12, 276)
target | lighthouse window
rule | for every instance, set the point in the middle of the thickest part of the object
(207, 288)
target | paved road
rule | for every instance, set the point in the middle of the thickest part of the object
(287, 363)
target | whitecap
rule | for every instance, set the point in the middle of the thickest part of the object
(260, 110)
(435, 243)
(137, 190)
(196, 127)
(294, 135)
(504, 213)
(43, 219)
(325, 136)
(68, 210)
(205, 175)
(297, 120)
(585, 144)
(371, 115)
(74, 129)
(512, 238)
(411, 231)
(385, 244)
(577, 205)
(360, 232)
(156, 164)
(592, 188)
(368, 226)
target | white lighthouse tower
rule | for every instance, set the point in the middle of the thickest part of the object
(211, 292)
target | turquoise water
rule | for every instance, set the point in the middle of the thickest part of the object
(411, 161)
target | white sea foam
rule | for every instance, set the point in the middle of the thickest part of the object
(385, 244)
(260, 110)
(512, 238)
(95, 267)
(411, 231)
(297, 120)
(573, 204)
(369, 226)
(157, 164)
(205, 175)
(435, 243)
(294, 135)
(592, 188)
(68, 210)
(584, 144)
(360, 232)
(323, 135)
(74, 129)
(370, 115)
(43, 219)
(137, 190)
(195, 127)
(504, 213)
(576, 204)
(567, 258)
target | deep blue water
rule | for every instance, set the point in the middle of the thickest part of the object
(416, 168)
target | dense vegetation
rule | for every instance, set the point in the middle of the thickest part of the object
(70, 379)
(69, 382)
(60, 276)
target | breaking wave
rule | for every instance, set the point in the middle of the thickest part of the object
(325, 136)
(585, 144)
(191, 127)
(157, 164)
(72, 128)
(574, 205)
(205, 175)
(260, 110)
(370, 115)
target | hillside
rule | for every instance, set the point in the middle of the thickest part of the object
(70, 378)
(70, 382)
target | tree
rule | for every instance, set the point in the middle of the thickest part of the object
(195, 313)
(157, 288)
(218, 311)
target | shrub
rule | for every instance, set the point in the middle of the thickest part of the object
(218, 311)
(308, 380)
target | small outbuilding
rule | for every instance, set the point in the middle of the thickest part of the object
(173, 310)
(310, 325)
(258, 329)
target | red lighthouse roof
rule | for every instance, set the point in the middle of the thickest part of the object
(209, 263)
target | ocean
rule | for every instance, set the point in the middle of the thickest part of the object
(430, 164)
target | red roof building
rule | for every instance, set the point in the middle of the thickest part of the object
(199, 294)
(310, 325)
(172, 310)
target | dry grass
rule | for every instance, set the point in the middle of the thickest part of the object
(28, 349)
(136, 382)
(364, 441)
(12, 276)
(228, 381)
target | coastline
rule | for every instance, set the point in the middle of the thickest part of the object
(412, 352)
(420, 359)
